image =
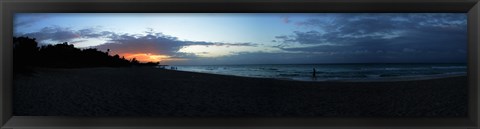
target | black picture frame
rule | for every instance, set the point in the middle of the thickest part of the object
(10, 7)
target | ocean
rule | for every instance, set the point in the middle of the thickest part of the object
(338, 72)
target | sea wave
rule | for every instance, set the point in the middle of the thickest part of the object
(333, 72)
(449, 67)
(394, 69)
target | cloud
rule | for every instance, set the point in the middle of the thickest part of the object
(154, 43)
(361, 24)
(286, 20)
(401, 35)
(93, 33)
(58, 34)
(27, 20)
(55, 34)
(326, 38)
(157, 43)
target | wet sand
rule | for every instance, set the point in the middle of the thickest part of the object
(168, 93)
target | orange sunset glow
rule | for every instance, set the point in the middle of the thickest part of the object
(148, 57)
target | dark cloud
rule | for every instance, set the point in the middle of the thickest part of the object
(57, 34)
(27, 20)
(63, 34)
(415, 37)
(157, 43)
(154, 43)
(328, 38)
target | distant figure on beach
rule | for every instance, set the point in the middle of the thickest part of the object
(314, 74)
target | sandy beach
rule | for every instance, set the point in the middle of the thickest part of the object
(146, 91)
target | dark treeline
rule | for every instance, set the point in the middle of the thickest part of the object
(26, 53)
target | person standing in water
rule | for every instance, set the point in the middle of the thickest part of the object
(314, 74)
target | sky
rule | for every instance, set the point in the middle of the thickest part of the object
(257, 38)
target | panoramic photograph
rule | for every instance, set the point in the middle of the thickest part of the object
(240, 64)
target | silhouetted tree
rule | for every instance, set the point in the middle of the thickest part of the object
(24, 51)
(28, 54)
(135, 61)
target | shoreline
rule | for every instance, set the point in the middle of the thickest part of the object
(379, 79)
(145, 91)
(411, 78)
